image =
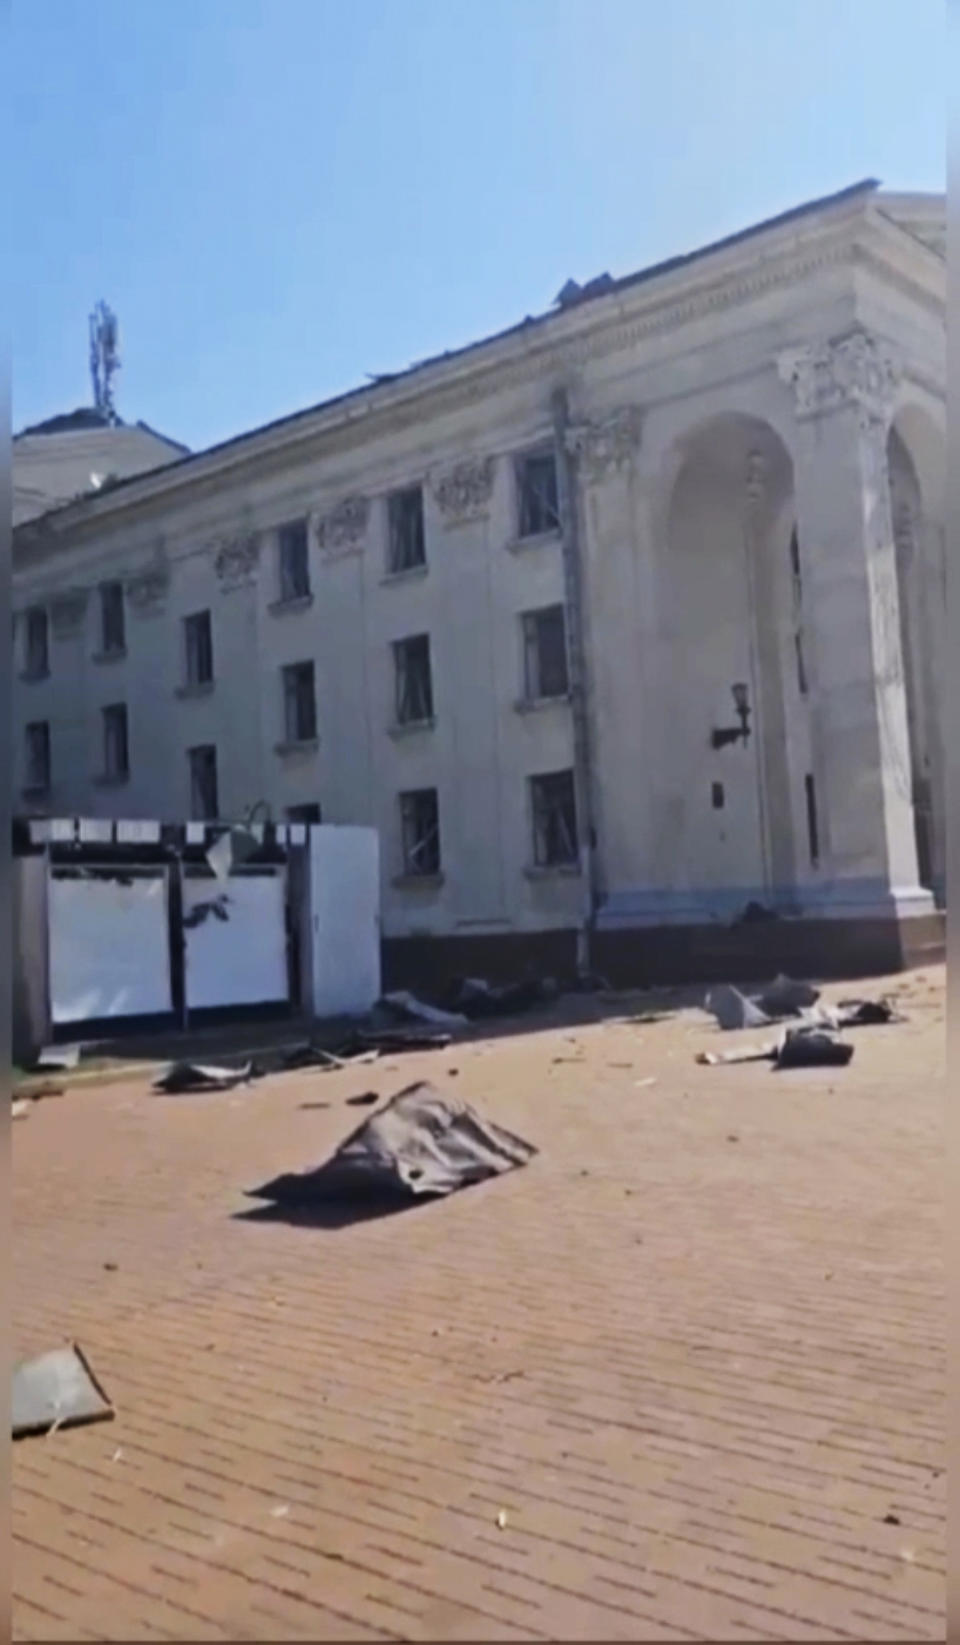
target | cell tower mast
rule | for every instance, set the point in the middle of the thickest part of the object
(104, 358)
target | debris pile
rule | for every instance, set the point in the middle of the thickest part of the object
(182, 1077)
(808, 1044)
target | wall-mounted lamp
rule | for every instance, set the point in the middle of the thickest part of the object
(720, 736)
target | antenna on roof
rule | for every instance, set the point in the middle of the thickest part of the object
(104, 358)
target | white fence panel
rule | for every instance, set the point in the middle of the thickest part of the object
(236, 939)
(345, 919)
(109, 946)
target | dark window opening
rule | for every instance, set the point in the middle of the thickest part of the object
(112, 627)
(717, 797)
(545, 653)
(813, 827)
(923, 829)
(554, 819)
(407, 547)
(116, 745)
(801, 663)
(414, 680)
(38, 756)
(299, 703)
(304, 813)
(294, 558)
(204, 797)
(37, 649)
(420, 832)
(797, 582)
(198, 638)
(539, 507)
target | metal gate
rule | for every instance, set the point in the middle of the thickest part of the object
(236, 944)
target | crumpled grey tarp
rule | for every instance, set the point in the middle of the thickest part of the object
(420, 1144)
(57, 1389)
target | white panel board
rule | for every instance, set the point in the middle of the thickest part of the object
(109, 948)
(241, 958)
(345, 920)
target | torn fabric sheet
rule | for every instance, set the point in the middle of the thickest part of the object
(420, 1144)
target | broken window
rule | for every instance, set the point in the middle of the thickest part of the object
(539, 507)
(414, 683)
(38, 757)
(116, 748)
(797, 586)
(112, 629)
(554, 819)
(37, 649)
(407, 547)
(299, 703)
(304, 813)
(294, 560)
(420, 826)
(204, 798)
(545, 653)
(198, 641)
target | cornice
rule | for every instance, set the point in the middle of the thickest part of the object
(561, 346)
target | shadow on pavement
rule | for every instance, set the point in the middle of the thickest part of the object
(333, 1214)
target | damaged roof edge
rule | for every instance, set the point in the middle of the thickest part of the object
(370, 396)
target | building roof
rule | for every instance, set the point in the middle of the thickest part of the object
(909, 211)
(80, 452)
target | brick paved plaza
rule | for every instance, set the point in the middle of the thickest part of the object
(681, 1377)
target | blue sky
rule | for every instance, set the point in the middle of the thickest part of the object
(278, 197)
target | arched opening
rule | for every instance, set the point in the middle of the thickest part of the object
(735, 812)
(916, 467)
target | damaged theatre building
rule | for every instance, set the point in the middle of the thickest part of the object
(612, 627)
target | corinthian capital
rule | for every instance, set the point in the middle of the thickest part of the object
(858, 369)
(606, 444)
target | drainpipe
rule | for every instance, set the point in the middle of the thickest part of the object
(576, 654)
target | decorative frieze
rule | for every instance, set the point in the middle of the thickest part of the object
(464, 492)
(67, 611)
(606, 444)
(858, 369)
(345, 527)
(147, 590)
(235, 560)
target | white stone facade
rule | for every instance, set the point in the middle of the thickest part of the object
(757, 468)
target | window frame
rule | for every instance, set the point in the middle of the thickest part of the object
(414, 839)
(194, 680)
(36, 621)
(31, 786)
(213, 768)
(115, 734)
(289, 590)
(293, 676)
(403, 692)
(543, 860)
(527, 530)
(112, 647)
(399, 561)
(531, 625)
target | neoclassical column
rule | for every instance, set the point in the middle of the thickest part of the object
(844, 392)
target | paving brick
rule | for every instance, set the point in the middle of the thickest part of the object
(696, 1376)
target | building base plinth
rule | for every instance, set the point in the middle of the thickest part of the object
(833, 947)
